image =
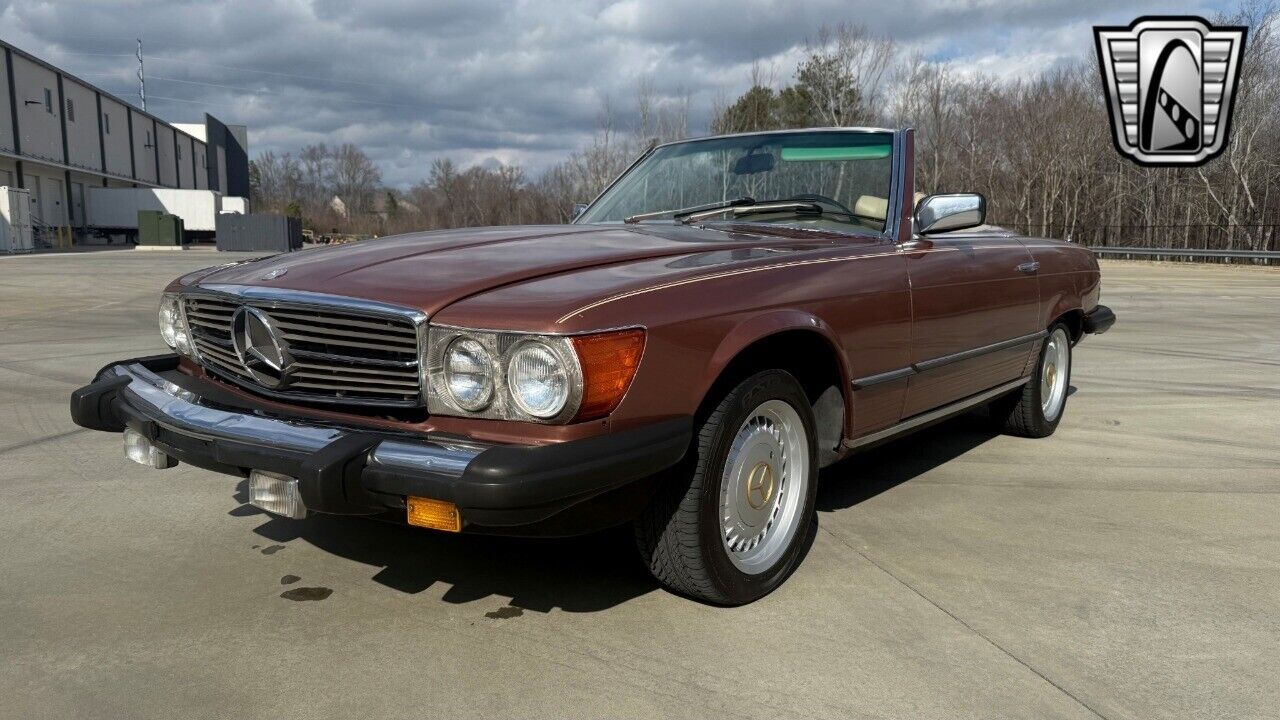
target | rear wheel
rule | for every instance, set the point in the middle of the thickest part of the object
(734, 524)
(1035, 410)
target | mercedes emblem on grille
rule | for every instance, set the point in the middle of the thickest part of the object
(261, 347)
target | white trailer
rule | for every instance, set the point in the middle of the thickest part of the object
(117, 208)
(15, 220)
(236, 205)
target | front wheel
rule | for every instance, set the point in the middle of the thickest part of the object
(735, 523)
(1035, 410)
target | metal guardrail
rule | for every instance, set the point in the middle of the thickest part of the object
(1193, 253)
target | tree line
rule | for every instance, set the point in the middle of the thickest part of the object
(1039, 148)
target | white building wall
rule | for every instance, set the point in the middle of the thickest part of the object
(81, 183)
(48, 192)
(80, 107)
(202, 166)
(6, 117)
(144, 157)
(164, 142)
(195, 130)
(40, 125)
(186, 160)
(115, 130)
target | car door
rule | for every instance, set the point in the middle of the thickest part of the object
(975, 316)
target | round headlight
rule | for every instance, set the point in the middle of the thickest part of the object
(468, 373)
(170, 320)
(538, 380)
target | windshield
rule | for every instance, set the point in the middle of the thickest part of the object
(838, 180)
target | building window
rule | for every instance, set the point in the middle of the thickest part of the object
(48, 101)
(106, 123)
(71, 110)
(148, 139)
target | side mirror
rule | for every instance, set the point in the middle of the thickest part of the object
(943, 213)
(578, 209)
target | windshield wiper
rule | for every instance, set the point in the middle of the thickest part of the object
(675, 214)
(808, 208)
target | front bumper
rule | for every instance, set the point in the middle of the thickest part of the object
(350, 470)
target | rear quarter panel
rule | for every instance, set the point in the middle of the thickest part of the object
(1069, 277)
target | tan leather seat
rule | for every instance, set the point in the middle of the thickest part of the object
(871, 206)
(878, 207)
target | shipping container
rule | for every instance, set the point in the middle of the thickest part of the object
(257, 233)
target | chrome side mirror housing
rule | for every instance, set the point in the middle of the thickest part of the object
(955, 211)
(578, 209)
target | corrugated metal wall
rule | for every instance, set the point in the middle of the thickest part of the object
(255, 233)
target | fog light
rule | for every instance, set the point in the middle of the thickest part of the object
(140, 450)
(434, 514)
(277, 494)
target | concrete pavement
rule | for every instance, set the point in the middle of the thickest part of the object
(1128, 567)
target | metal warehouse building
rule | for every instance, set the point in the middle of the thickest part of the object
(60, 136)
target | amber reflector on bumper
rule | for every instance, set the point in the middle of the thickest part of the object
(434, 514)
(609, 361)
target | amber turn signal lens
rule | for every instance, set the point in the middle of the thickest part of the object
(434, 514)
(609, 361)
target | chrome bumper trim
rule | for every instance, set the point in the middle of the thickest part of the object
(186, 413)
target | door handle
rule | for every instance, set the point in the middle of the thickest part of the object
(1028, 267)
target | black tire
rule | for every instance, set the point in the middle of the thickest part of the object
(1021, 412)
(679, 534)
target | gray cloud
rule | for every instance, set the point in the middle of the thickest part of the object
(512, 81)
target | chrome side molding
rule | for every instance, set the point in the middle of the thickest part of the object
(935, 415)
(906, 372)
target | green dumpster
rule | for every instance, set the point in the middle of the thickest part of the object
(171, 230)
(149, 227)
(162, 229)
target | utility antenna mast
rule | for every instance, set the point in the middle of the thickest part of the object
(142, 80)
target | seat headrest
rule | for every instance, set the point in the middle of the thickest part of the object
(872, 207)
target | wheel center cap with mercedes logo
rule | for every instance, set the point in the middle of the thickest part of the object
(261, 347)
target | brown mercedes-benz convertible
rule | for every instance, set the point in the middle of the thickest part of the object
(732, 314)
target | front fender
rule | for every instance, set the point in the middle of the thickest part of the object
(759, 327)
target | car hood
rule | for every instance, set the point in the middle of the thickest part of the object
(429, 271)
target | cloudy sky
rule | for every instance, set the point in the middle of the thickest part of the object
(485, 81)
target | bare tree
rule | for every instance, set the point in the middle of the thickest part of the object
(844, 71)
(354, 177)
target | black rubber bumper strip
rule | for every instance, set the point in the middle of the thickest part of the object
(1099, 320)
(91, 405)
(509, 477)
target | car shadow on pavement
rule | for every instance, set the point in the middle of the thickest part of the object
(581, 574)
(866, 475)
(592, 572)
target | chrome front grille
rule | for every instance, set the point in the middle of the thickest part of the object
(335, 355)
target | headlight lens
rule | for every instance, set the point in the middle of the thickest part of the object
(172, 328)
(538, 380)
(468, 374)
(528, 377)
(169, 320)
